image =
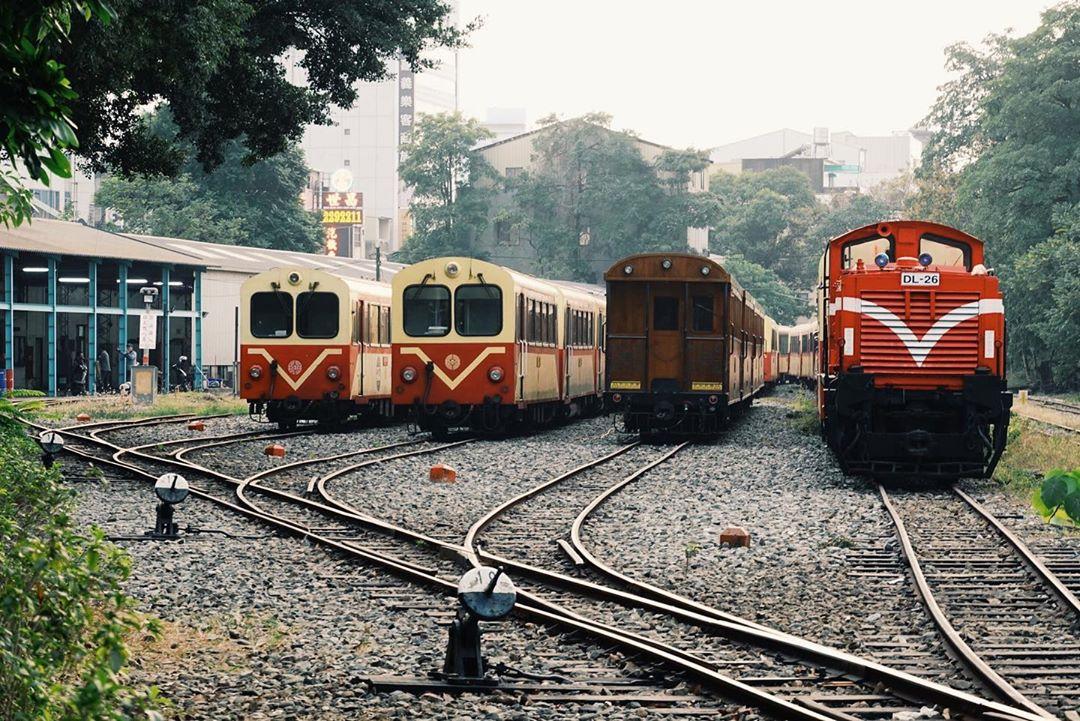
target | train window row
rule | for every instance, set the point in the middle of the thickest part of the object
(582, 328)
(797, 344)
(272, 314)
(538, 319)
(478, 310)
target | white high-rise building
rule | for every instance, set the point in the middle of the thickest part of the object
(359, 152)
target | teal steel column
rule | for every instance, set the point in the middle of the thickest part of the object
(9, 323)
(165, 310)
(52, 328)
(122, 369)
(196, 340)
(91, 362)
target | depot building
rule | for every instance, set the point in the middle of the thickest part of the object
(72, 294)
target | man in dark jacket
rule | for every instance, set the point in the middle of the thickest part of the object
(105, 370)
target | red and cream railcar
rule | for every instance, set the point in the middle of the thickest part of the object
(314, 346)
(482, 346)
(912, 354)
(796, 357)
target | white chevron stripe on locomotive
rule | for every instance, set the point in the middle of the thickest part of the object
(920, 348)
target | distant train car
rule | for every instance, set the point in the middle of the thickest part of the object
(797, 353)
(912, 356)
(480, 346)
(314, 346)
(771, 359)
(685, 343)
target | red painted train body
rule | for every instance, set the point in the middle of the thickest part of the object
(911, 363)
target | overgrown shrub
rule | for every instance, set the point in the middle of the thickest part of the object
(63, 615)
(1058, 498)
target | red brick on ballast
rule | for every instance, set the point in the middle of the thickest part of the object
(442, 473)
(735, 536)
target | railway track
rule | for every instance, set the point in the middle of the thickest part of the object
(437, 562)
(1001, 609)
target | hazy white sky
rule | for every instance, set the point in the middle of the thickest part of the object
(704, 73)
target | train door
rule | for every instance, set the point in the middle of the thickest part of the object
(522, 345)
(359, 342)
(705, 337)
(568, 352)
(627, 337)
(666, 335)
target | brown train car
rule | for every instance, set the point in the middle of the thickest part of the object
(685, 344)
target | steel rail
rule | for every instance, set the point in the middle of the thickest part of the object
(955, 698)
(125, 423)
(720, 622)
(948, 632)
(728, 687)
(1048, 577)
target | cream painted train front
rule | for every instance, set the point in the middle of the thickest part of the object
(314, 346)
(482, 346)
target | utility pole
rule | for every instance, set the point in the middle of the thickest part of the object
(378, 262)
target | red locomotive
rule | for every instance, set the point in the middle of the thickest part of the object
(911, 364)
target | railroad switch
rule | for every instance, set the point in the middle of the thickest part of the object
(485, 594)
(171, 490)
(51, 444)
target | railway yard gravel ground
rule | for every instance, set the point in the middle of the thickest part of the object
(269, 627)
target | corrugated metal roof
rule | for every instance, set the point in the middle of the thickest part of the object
(57, 237)
(244, 259)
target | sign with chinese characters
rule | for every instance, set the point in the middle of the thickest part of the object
(342, 218)
(147, 332)
(406, 100)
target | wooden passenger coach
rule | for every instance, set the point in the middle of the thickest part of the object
(685, 343)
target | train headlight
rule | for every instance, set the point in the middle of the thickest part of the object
(881, 260)
(495, 374)
(452, 269)
(255, 371)
(666, 264)
(294, 278)
(628, 269)
(713, 400)
(333, 373)
(408, 374)
(925, 259)
(705, 270)
(616, 397)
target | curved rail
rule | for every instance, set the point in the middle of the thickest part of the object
(782, 707)
(967, 655)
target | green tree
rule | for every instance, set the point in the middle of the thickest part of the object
(451, 184)
(36, 124)
(216, 63)
(764, 217)
(1006, 137)
(780, 301)
(591, 198)
(239, 203)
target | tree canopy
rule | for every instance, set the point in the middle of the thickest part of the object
(451, 186)
(71, 84)
(238, 203)
(1003, 162)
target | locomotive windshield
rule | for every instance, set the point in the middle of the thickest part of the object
(425, 310)
(271, 314)
(945, 251)
(866, 250)
(317, 315)
(478, 310)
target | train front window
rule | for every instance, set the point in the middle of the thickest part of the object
(478, 310)
(866, 250)
(665, 313)
(271, 314)
(317, 315)
(425, 310)
(946, 252)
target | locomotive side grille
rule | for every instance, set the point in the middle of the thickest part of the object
(882, 350)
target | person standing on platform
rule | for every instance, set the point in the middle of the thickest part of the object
(105, 369)
(79, 371)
